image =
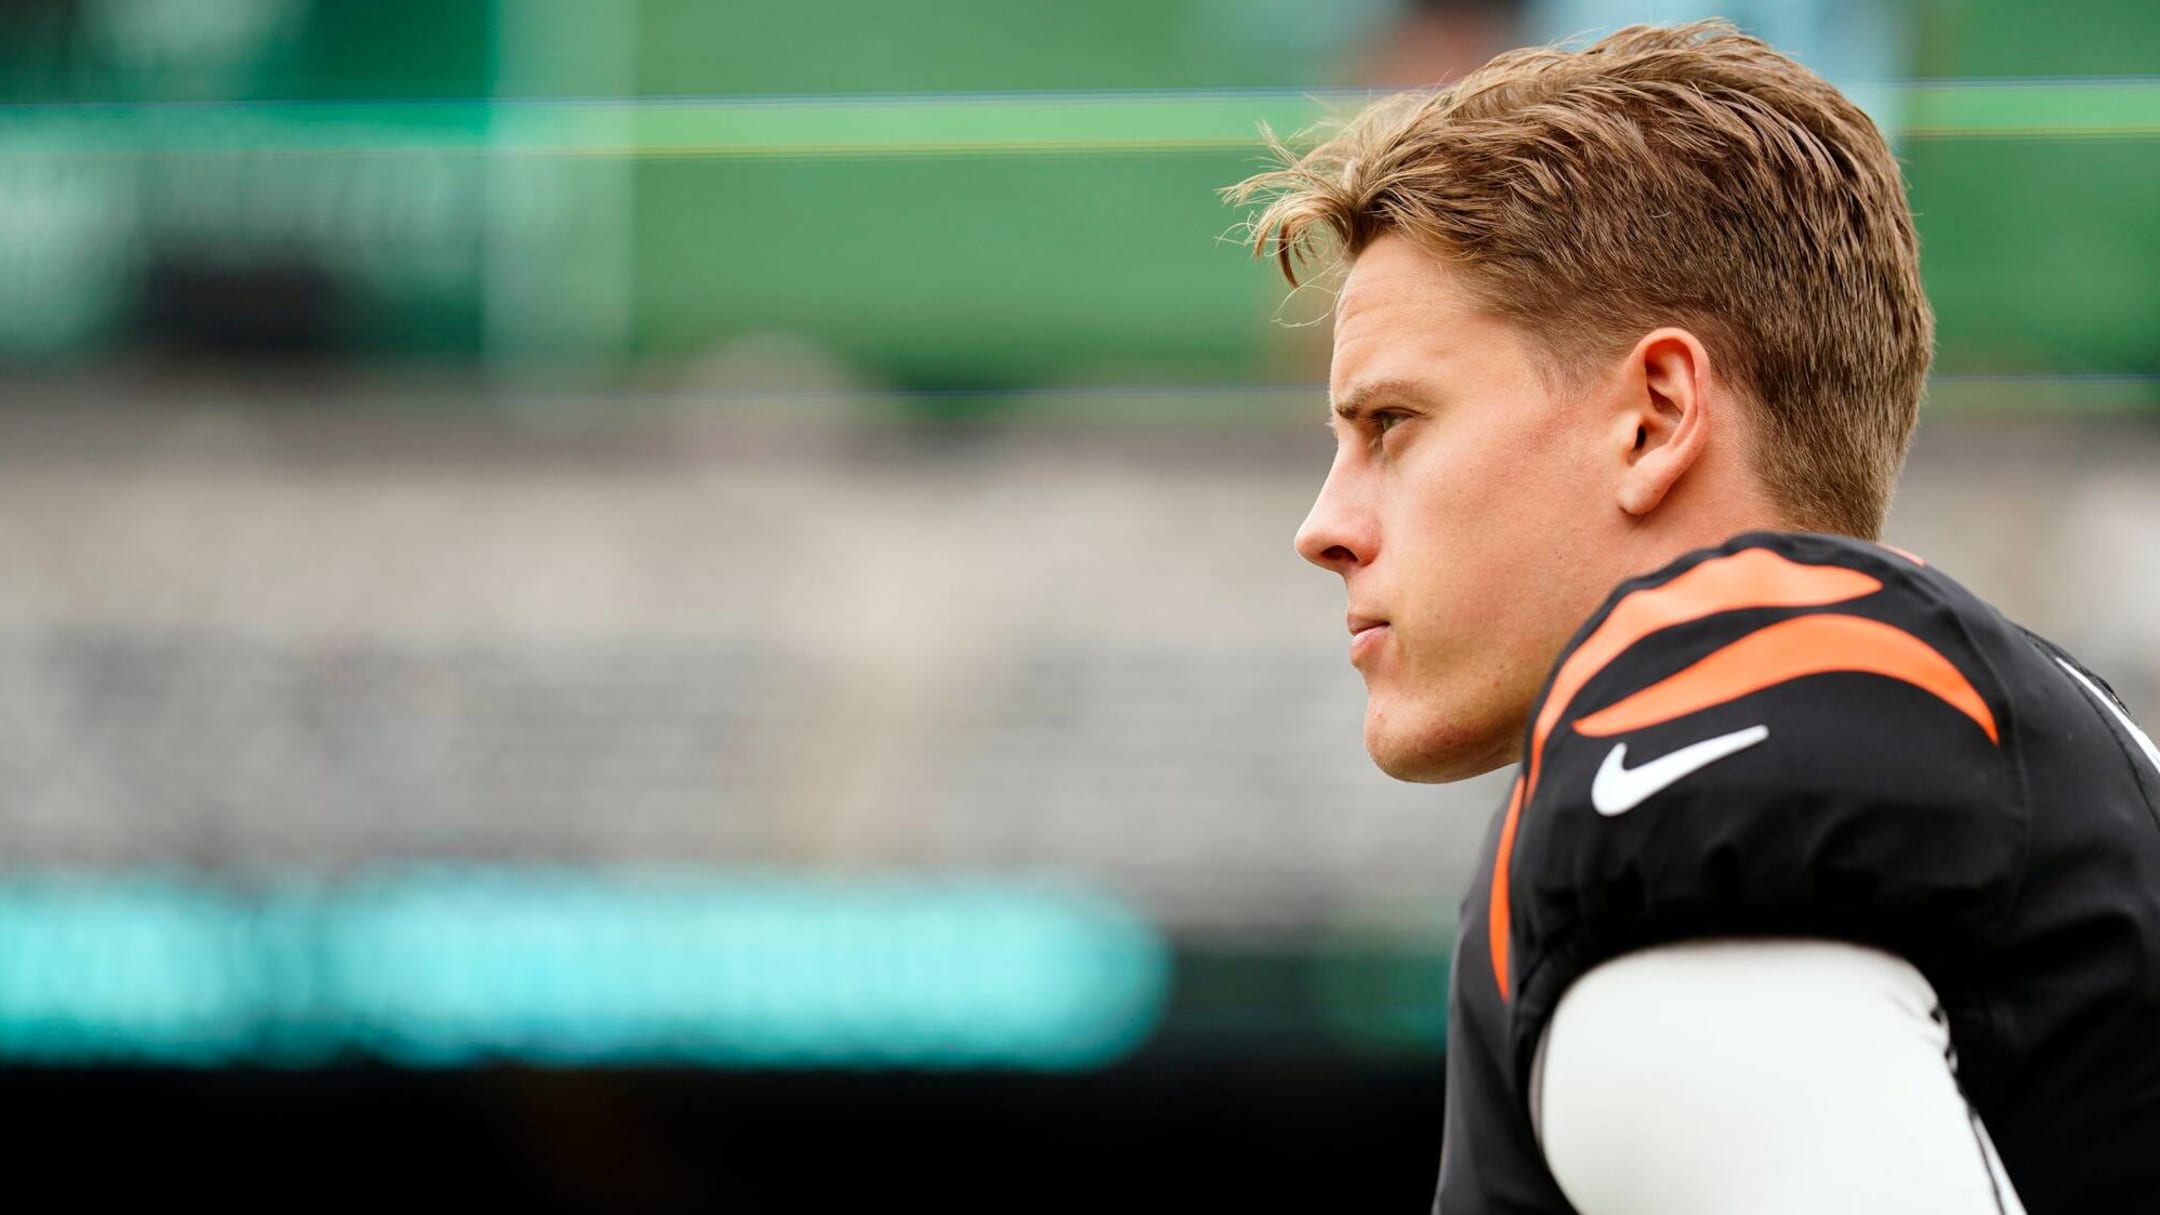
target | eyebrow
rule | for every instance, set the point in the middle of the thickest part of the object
(1355, 403)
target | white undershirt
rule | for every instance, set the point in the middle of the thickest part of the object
(1770, 1077)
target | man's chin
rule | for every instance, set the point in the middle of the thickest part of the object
(1435, 753)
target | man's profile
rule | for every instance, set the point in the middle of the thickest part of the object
(1822, 886)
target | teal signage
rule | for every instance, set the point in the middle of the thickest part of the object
(453, 966)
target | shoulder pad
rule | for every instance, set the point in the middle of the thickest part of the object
(1787, 735)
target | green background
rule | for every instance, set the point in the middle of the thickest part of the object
(919, 247)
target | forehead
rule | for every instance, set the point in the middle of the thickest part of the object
(1404, 313)
(1391, 268)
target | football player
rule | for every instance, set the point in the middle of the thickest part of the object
(1822, 886)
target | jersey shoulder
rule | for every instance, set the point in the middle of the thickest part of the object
(1764, 612)
(1791, 734)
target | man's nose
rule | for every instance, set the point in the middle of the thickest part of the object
(1337, 534)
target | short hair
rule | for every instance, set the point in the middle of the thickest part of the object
(1687, 176)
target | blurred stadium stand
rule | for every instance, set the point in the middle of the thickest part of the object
(828, 445)
(235, 639)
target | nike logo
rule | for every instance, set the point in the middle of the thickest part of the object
(1619, 789)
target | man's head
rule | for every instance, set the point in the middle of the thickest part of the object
(1602, 307)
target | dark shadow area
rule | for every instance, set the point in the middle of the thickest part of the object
(1314, 1134)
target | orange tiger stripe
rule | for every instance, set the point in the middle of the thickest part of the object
(1496, 923)
(1789, 650)
(1751, 578)
(1909, 556)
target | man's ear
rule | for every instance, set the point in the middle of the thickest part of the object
(1665, 415)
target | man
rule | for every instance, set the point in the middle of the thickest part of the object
(1821, 883)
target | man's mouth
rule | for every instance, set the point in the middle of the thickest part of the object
(1365, 632)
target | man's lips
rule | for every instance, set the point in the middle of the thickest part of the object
(1365, 631)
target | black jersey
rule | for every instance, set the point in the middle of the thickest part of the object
(1804, 735)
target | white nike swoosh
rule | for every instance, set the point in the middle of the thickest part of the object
(1619, 789)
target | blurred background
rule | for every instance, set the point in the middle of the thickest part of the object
(657, 604)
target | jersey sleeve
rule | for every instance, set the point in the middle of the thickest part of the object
(1695, 1079)
(1797, 737)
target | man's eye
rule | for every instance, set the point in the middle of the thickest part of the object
(1384, 420)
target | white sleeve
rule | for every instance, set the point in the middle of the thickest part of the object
(1776, 1077)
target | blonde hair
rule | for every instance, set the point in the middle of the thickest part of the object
(1684, 176)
